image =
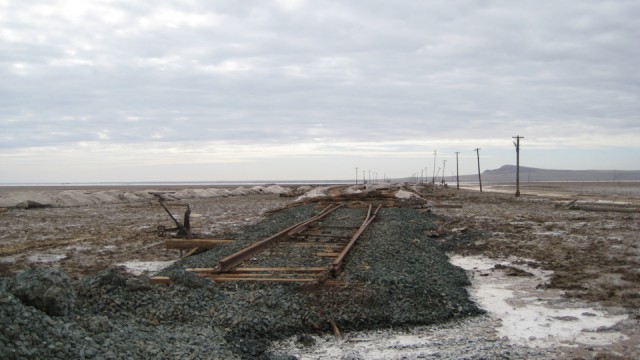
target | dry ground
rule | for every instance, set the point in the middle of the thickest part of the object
(87, 239)
(595, 255)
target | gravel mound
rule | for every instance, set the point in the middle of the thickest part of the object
(49, 290)
(67, 198)
(396, 277)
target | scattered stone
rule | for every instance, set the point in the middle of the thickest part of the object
(306, 340)
(30, 204)
(512, 270)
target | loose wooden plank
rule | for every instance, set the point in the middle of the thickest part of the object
(261, 269)
(164, 280)
(226, 278)
(305, 235)
(243, 275)
(277, 269)
(309, 243)
(604, 209)
(191, 252)
(328, 254)
(193, 243)
(336, 331)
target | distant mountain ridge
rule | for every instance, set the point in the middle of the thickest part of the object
(507, 173)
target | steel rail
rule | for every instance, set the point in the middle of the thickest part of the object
(236, 259)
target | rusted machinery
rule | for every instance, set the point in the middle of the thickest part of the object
(182, 229)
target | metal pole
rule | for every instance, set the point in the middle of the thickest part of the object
(477, 150)
(356, 176)
(457, 172)
(517, 144)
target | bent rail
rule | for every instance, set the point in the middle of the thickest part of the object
(236, 259)
(337, 264)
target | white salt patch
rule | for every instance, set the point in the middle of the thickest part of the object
(7, 260)
(404, 194)
(46, 258)
(352, 190)
(145, 267)
(550, 233)
(317, 192)
(535, 317)
(240, 191)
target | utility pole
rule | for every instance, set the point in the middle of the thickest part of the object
(364, 177)
(356, 176)
(517, 145)
(457, 172)
(444, 164)
(477, 150)
(433, 179)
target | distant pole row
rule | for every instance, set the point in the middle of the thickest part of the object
(423, 173)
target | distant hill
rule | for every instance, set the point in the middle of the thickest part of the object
(507, 173)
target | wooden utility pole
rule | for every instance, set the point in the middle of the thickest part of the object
(433, 179)
(444, 164)
(517, 145)
(457, 172)
(477, 150)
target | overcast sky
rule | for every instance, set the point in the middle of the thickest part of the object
(243, 90)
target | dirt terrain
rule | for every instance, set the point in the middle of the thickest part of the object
(85, 239)
(593, 254)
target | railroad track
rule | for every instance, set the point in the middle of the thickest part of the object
(311, 251)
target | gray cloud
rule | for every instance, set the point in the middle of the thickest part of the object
(294, 72)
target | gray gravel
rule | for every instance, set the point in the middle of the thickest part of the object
(398, 278)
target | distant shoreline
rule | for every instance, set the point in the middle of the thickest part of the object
(170, 184)
(233, 184)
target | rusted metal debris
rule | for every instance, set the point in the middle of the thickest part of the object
(182, 229)
(336, 266)
(303, 234)
(236, 259)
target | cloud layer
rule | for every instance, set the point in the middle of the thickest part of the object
(242, 81)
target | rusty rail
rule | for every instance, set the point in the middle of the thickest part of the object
(337, 264)
(236, 259)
